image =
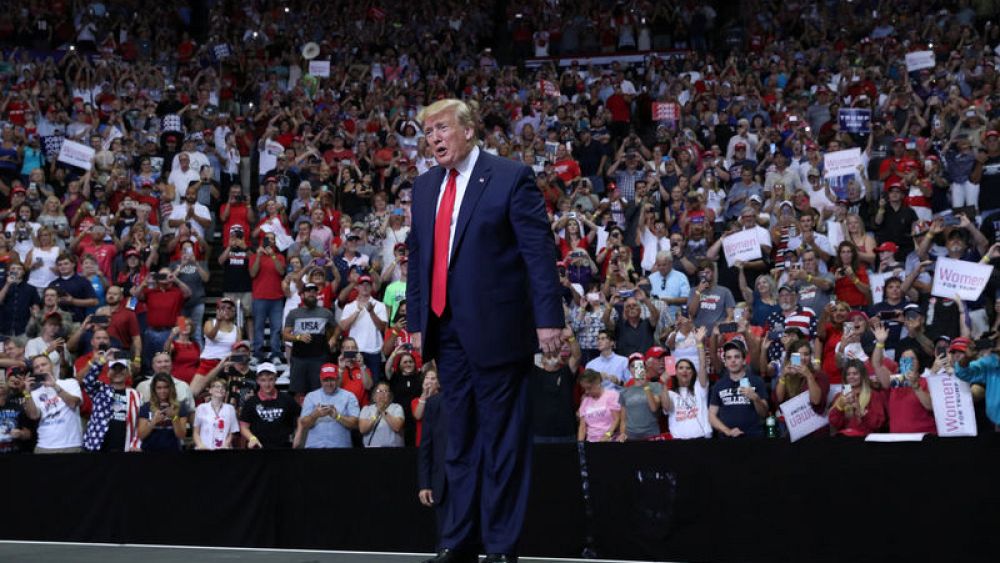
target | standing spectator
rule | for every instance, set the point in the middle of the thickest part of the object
(669, 285)
(56, 407)
(17, 299)
(612, 367)
(366, 319)
(50, 343)
(15, 425)
(599, 412)
(982, 368)
(114, 418)
(685, 399)
(737, 402)
(381, 422)
(163, 363)
(215, 421)
(123, 324)
(309, 328)
(858, 410)
(236, 281)
(164, 296)
(191, 213)
(551, 394)
(710, 303)
(163, 419)
(76, 293)
(267, 420)
(267, 267)
(329, 413)
(430, 457)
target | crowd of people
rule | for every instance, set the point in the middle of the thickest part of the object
(225, 157)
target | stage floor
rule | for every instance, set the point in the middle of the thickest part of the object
(48, 552)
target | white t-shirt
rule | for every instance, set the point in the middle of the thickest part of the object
(689, 418)
(59, 425)
(179, 212)
(212, 427)
(37, 346)
(368, 337)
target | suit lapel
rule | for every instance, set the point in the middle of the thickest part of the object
(478, 182)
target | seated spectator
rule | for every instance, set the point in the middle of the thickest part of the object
(215, 421)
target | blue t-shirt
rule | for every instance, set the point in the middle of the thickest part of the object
(329, 433)
(735, 410)
(79, 288)
(162, 438)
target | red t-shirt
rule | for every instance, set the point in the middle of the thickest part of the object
(237, 216)
(906, 414)
(163, 307)
(104, 252)
(830, 368)
(267, 283)
(420, 423)
(567, 169)
(186, 356)
(123, 326)
(352, 381)
(846, 291)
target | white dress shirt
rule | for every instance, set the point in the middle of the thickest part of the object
(464, 168)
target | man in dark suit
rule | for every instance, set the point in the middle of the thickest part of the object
(483, 295)
(430, 460)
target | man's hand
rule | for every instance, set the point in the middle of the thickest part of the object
(550, 340)
(734, 432)
(426, 497)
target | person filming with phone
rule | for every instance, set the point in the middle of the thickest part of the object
(737, 403)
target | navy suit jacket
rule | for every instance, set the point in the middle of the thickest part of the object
(502, 279)
(433, 445)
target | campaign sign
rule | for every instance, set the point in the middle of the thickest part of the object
(76, 154)
(841, 163)
(319, 69)
(951, 397)
(967, 280)
(666, 111)
(741, 246)
(855, 120)
(800, 418)
(919, 60)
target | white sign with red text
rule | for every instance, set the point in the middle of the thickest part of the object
(76, 154)
(954, 413)
(741, 246)
(841, 163)
(800, 418)
(919, 60)
(967, 280)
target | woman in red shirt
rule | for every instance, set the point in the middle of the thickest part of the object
(236, 211)
(574, 240)
(851, 285)
(830, 332)
(910, 408)
(185, 353)
(858, 410)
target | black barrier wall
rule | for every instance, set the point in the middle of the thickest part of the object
(827, 500)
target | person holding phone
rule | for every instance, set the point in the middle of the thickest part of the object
(857, 410)
(800, 374)
(114, 419)
(55, 404)
(267, 267)
(163, 419)
(354, 375)
(18, 300)
(737, 403)
(909, 406)
(329, 413)
(381, 421)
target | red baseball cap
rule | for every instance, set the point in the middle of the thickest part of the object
(887, 246)
(994, 133)
(328, 371)
(960, 344)
(364, 278)
(655, 352)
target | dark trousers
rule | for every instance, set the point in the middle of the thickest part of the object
(488, 458)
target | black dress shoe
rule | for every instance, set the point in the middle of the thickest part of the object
(453, 556)
(500, 558)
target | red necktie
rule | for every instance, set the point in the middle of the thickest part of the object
(442, 245)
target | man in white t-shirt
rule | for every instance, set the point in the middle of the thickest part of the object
(190, 211)
(366, 319)
(182, 175)
(55, 404)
